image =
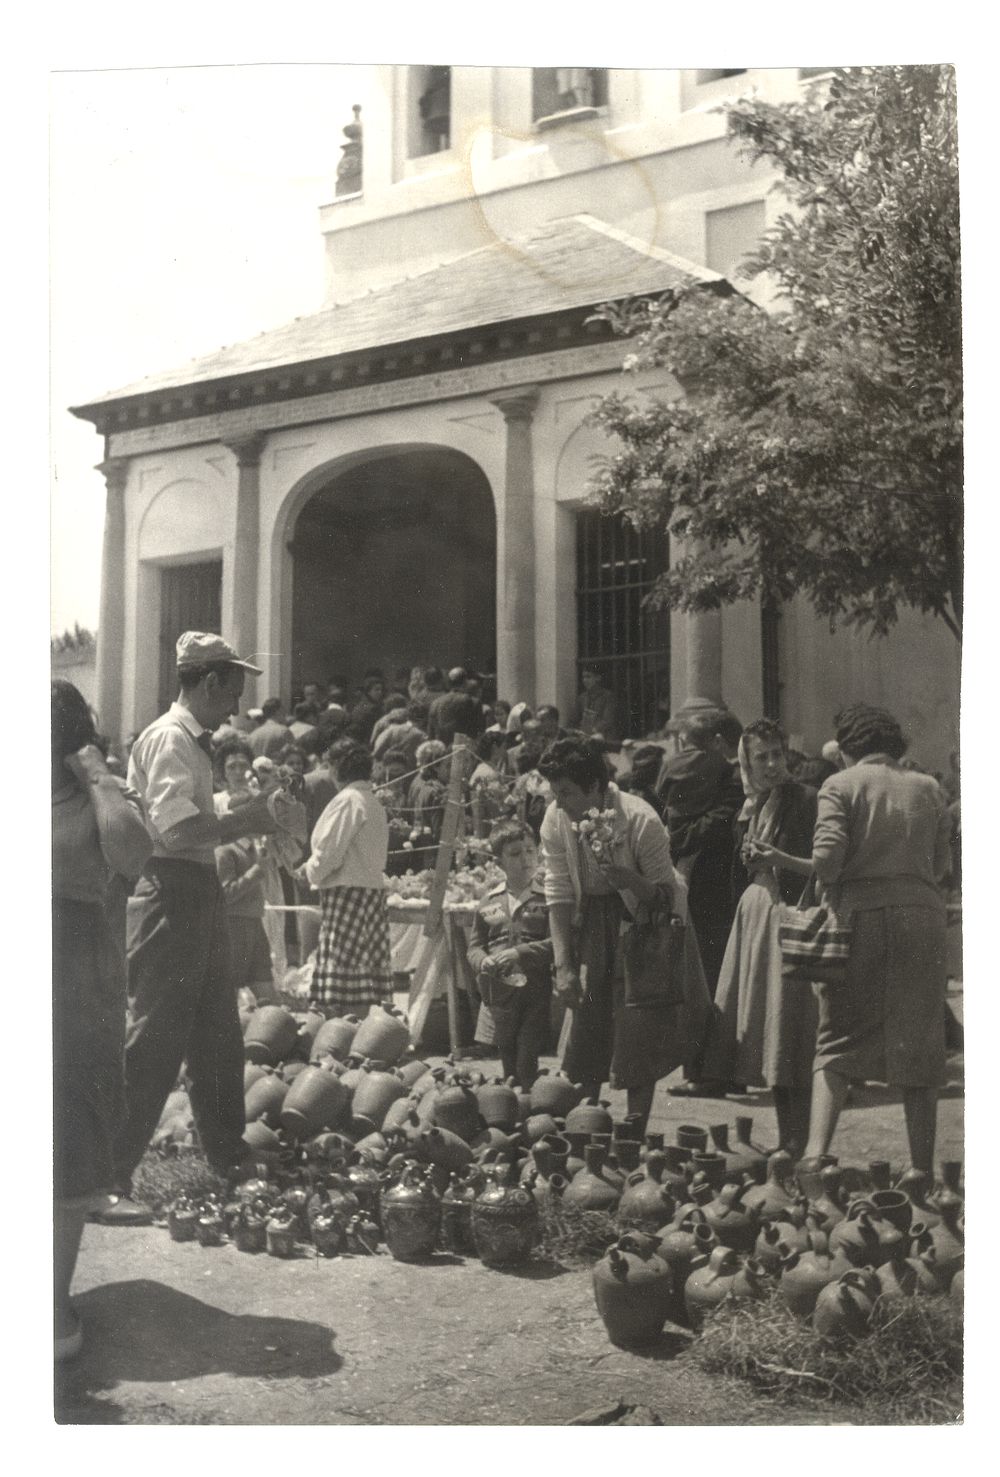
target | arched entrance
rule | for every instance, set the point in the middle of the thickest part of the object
(394, 564)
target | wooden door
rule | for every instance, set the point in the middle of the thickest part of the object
(190, 600)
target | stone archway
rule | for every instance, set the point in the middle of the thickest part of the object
(394, 564)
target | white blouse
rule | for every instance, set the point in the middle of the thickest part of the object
(350, 840)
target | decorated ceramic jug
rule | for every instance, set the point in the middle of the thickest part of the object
(505, 1223)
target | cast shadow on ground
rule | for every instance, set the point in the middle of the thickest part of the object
(143, 1331)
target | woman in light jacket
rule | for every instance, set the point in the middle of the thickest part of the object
(881, 848)
(347, 865)
(590, 900)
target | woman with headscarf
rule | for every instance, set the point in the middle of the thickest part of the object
(881, 848)
(766, 1024)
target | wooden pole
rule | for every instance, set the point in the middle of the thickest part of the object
(454, 813)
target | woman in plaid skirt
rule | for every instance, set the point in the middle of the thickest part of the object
(347, 865)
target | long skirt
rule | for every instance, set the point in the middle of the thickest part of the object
(885, 1022)
(88, 1028)
(766, 1025)
(353, 967)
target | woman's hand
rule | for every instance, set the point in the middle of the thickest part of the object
(763, 851)
(624, 879)
(505, 959)
(87, 764)
(568, 986)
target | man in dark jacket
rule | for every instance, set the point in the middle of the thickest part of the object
(456, 711)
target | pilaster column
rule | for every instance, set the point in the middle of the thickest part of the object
(246, 553)
(111, 622)
(704, 656)
(516, 551)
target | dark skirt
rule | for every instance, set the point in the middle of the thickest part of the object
(249, 954)
(353, 965)
(609, 1041)
(885, 1022)
(88, 1031)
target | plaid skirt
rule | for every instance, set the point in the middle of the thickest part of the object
(353, 967)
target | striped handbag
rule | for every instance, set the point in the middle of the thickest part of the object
(815, 944)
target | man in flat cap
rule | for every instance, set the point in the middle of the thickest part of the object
(183, 1005)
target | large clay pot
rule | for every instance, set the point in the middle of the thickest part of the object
(634, 1291)
(265, 1099)
(365, 1183)
(441, 1146)
(776, 1196)
(402, 1117)
(856, 1238)
(412, 1072)
(805, 1273)
(456, 1212)
(252, 1072)
(591, 1116)
(261, 1139)
(454, 1107)
(372, 1150)
(316, 1102)
(554, 1093)
(645, 1201)
(539, 1126)
(709, 1284)
(270, 1035)
(383, 1035)
(681, 1247)
(498, 1105)
(377, 1090)
(411, 1216)
(915, 1185)
(335, 1037)
(505, 1222)
(754, 1160)
(844, 1307)
(593, 1188)
(948, 1240)
(734, 1223)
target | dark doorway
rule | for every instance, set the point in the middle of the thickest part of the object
(395, 566)
(190, 600)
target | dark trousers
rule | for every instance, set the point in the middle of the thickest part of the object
(183, 1008)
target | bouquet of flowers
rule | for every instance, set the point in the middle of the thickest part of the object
(597, 831)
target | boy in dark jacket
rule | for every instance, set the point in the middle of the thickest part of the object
(511, 956)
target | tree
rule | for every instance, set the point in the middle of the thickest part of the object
(817, 447)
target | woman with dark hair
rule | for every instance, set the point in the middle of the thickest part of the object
(881, 849)
(97, 832)
(349, 846)
(487, 788)
(600, 869)
(766, 1024)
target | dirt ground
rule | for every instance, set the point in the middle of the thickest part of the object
(178, 1334)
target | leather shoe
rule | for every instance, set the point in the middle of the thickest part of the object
(122, 1210)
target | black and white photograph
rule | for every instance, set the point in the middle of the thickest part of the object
(506, 614)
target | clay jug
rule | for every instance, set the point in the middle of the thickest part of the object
(672, 1176)
(372, 1150)
(577, 1143)
(441, 1146)
(711, 1166)
(950, 1191)
(776, 1195)
(492, 1144)
(654, 1144)
(329, 1148)
(402, 1117)
(455, 1107)
(426, 1083)
(505, 1224)
(844, 1307)
(752, 1282)
(734, 1223)
(692, 1136)
(412, 1072)
(540, 1126)
(627, 1155)
(209, 1227)
(252, 1072)
(498, 1104)
(265, 1098)
(896, 1279)
(634, 1291)
(316, 1102)
(593, 1188)
(880, 1174)
(291, 1070)
(543, 1162)
(383, 1035)
(645, 1203)
(329, 1235)
(828, 1208)
(948, 1240)
(261, 1139)
(282, 1226)
(182, 1219)
(335, 1200)
(922, 1261)
(250, 1231)
(709, 1284)
(679, 1245)
(365, 1184)
(915, 1185)
(362, 1235)
(411, 1215)
(855, 1239)
(590, 1116)
(270, 1035)
(335, 1036)
(894, 1207)
(753, 1160)
(456, 1212)
(554, 1093)
(805, 1273)
(378, 1088)
(735, 1163)
(353, 1072)
(771, 1246)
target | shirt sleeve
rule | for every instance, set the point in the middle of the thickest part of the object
(830, 835)
(333, 833)
(652, 850)
(558, 881)
(170, 796)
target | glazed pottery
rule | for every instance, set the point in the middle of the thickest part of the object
(335, 1201)
(634, 1291)
(209, 1227)
(505, 1223)
(805, 1273)
(250, 1231)
(329, 1234)
(735, 1224)
(365, 1183)
(383, 1035)
(456, 1212)
(270, 1035)
(362, 1235)
(182, 1219)
(411, 1215)
(317, 1101)
(281, 1233)
(645, 1202)
(593, 1188)
(336, 1037)
(554, 1093)
(498, 1105)
(376, 1091)
(709, 1284)
(590, 1116)
(844, 1307)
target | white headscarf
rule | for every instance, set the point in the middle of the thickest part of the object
(760, 810)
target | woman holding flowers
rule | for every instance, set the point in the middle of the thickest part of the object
(607, 857)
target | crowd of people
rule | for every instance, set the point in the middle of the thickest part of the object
(181, 869)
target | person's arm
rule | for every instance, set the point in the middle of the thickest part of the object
(478, 951)
(335, 830)
(234, 883)
(654, 874)
(831, 835)
(561, 899)
(125, 843)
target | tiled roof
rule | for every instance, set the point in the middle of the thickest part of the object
(573, 262)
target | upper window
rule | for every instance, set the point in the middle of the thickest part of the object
(430, 111)
(715, 74)
(557, 90)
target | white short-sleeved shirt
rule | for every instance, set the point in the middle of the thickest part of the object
(172, 776)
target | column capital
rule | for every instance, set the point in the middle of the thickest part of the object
(247, 449)
(115, 473)
(517, 405)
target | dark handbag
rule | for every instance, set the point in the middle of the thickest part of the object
(815, 944)
(653, 957)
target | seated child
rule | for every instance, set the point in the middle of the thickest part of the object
(511, 956)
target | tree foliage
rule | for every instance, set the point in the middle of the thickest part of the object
(818, 446)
